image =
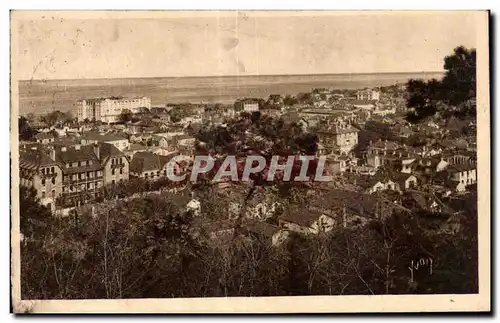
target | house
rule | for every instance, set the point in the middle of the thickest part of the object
(152, 167)
(464, 174)
(45, 137)
(247, 105)
(340, 137)
(118, 141)
(134, 148)
(404, 181)
(408, 165)
(39, 169)
(305, 221)
(115, 164)
(368, 94)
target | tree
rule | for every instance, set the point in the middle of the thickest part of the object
(177, 113)
(33, 215)
(126, 116)
(290, 100)
(25, 130)
(305, 98)
(453, 95)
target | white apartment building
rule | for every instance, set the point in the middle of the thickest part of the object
(109, 109)
(368, 95)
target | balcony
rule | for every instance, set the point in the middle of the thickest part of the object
(83, 180)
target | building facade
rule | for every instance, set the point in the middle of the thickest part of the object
(368, 94)
(108, 110)
(338, 138)
(71, 176)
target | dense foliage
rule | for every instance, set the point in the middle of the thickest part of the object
(453, 95)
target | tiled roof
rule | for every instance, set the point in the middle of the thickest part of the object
(147, 161)
(34, 158)
(461, 167)
(45, 135)
(102, 138)
(108, 150)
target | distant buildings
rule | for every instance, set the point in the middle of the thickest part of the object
(247, 105)
(109, 109)
(152, 167)
(368, 94)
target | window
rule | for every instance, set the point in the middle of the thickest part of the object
(79, 163)
(84, 163)
(43, 181)
(121, 171)
(113, 182)
(43, 195)
(79, 176)
(52, 170)
(68, 165)
(53, 193)
(113, 171)
(90, 162)
(53, 180)
(158, 173)
(42, 170)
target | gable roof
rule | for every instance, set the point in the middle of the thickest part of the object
(147, 161)
(99, 137)
(34, 158)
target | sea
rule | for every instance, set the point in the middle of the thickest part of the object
(43, 96)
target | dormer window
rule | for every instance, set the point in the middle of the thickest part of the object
(68, 165)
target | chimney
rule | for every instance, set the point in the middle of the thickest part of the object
(52, 153)
(96, 151)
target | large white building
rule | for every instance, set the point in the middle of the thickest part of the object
(109, 109)
(368, 94)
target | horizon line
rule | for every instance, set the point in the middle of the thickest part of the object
(223, 76)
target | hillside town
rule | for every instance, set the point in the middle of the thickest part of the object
(95, 187)
(430, 166)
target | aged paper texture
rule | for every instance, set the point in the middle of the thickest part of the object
(159, 161)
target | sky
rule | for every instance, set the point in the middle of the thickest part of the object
(63, 46)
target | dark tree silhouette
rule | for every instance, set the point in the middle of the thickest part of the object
(25, 130)
(453, 95)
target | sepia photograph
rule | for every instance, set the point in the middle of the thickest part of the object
(250, 161)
